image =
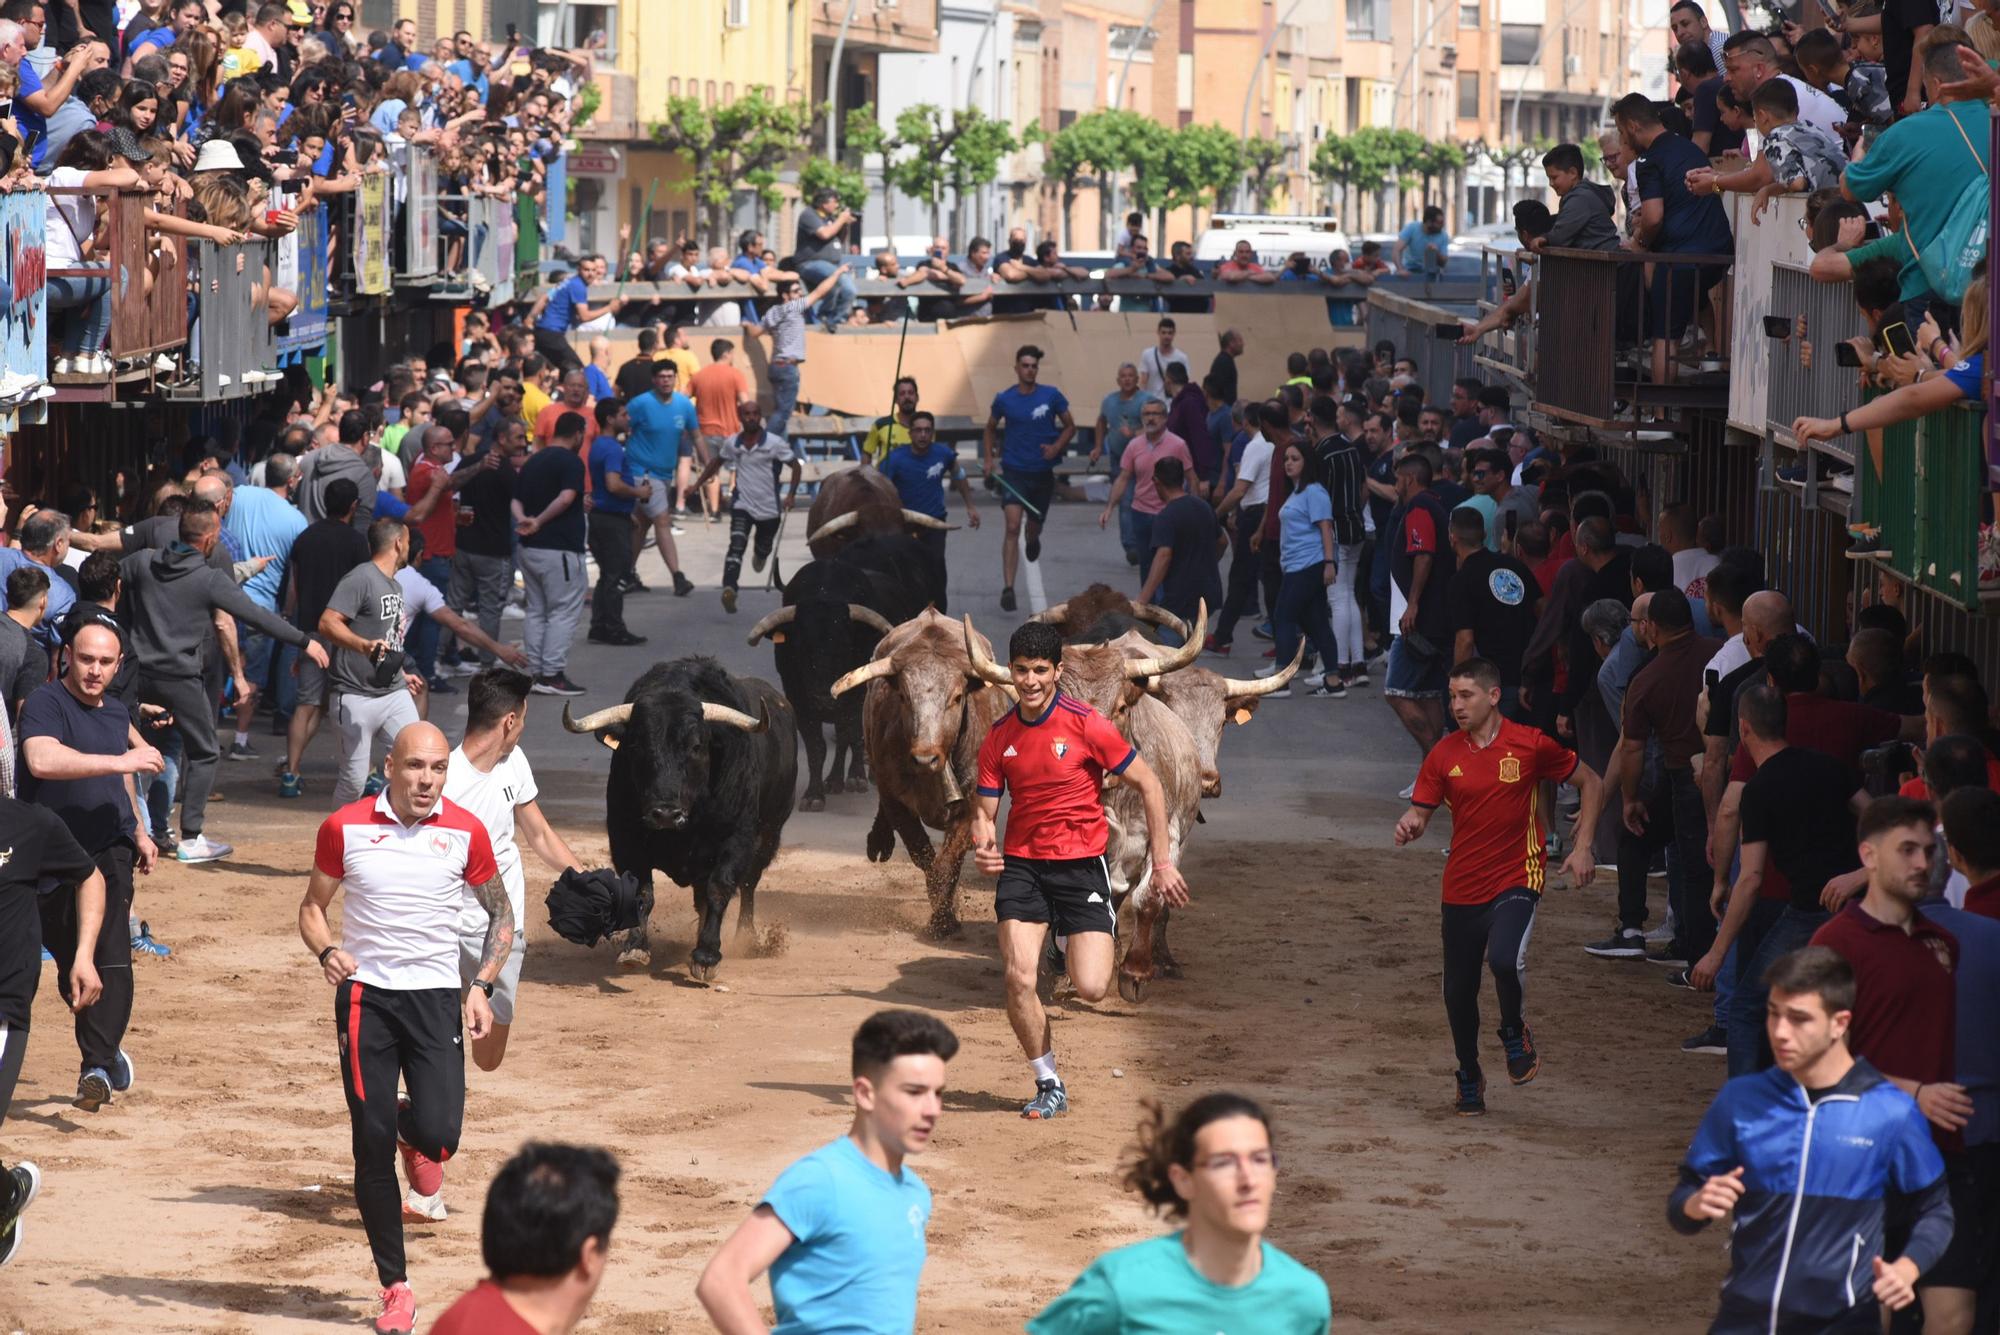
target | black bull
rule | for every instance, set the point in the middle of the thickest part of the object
(701, 783)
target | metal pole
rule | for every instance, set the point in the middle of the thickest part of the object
(833, 82)
(1396, 102)
(1132, 49)
(1250, 92)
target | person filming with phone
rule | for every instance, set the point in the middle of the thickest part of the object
(821, 250)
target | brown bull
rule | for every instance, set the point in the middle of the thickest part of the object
(1102, 613)
(922, 721)
(1207, 702)
(858, 503)
(1105, 678)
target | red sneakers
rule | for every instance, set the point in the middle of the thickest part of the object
(399, 1310)
(425, 1174)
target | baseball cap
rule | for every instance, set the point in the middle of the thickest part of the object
(126, 145)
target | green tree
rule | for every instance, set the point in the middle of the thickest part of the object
(1087, 146)
(958, 151)
(1437, 161)
(739, 145)
(1362, 162)
(865, 135)
(850, 183)
(1203, 161)
(1262, 158)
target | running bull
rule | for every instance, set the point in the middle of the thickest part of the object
(857, 503)
(1102, 613)
(702, 772)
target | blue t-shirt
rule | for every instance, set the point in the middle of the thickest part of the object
(34, 126)
(1151, 1288)
(1121, 419)
(463, 69)
(1423, 252)
(920, 478)
(1968, 374)
(97, 810)
(600, 383)
(860, 1244)
(388, 507)
(265, 524)
(1299, 542)
(1689, 223)
(1032, 422)
(559, 313)
(1978, 978)
(608, 456)
(654, 447)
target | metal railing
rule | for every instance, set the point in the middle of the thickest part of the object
(148, 285)
(1922, 485)
(234, 342)
(1806, 378)
(1411, 326)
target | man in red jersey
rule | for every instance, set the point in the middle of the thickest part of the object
(1053, 752)
(1489, 773)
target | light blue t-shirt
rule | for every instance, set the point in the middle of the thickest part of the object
(1032, 421)
(1151, 1288)
(1489, 510)
(1423, 252)
(654, 447)
(1299, 542)
(264, 524)
(1121, 420)
(860, 1248)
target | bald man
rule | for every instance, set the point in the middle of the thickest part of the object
(407, 859)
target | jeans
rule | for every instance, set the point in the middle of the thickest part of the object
(87, 331)
(1142, 538)
(426, 635)
(479, 588)
(256, 648)
(611, 547)
(1302, 606)
(1128, 537)
(1344, 613)
(555, 584)
(1241, 596)
(284, 684)
(161, 787)
(1674, 812)
(784, 378)
(837, 305)
(1789, 929)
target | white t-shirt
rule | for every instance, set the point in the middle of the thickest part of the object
(491, 798)
(404, 888)
(1815, 107)
(1256, 470)
(1153, 368)
(420, 597)
(393, 476)
(72, 219)
(1692, 564)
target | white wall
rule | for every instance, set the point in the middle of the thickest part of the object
(972, 65)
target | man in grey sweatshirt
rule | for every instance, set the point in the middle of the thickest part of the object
(347, 459)
(174, 594)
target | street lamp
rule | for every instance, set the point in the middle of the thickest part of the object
(1250, 92)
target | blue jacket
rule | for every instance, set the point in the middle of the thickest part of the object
(1809, 1222)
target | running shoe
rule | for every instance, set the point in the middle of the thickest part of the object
(683, 586)
(632, 584)
(1624, 943)
(557, 684)
(122, 1072)
(677, 530)
(399, 1310)
(375, 784)
(457, 667)
(1032, 549)
(1007, 599)
(1282, 693)
(757, 559)
(420, 1209)
(1668, 957)
(1713, 1040)
(1661, 935)
(1682, 979)
(289, 785)
(618, 638)
(1324, 691)
(1262, 630)
(729, 599)
(27, 1184)
(1358, 679)
(93, 1090)
(1471, 1100)
(201, 848)
(1523, 1062)
(144, 944)
(1050, 1098)
(242, 751)
(1209, 646)
(439, 686)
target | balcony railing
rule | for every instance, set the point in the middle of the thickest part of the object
(148, 292)
(1922, 484)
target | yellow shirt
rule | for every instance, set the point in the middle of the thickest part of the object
(684, 360)
(887, 435)
(238, 61)
(532, 403)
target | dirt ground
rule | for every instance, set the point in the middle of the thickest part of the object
(217, 1196)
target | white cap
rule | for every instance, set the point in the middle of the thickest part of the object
(218, 155)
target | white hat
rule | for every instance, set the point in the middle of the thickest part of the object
(218, 155)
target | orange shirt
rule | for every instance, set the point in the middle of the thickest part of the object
(717, 389)
(545, 422)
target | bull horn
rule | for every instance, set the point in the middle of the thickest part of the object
(1179, 658)
(837, 524)
(867, 672)
(1053, 616)
(782, 617)
(983, 667)
(924, 521)
(597, 720)
(1233, 687)
(735, 718)
(869, 617)
(1160, 616)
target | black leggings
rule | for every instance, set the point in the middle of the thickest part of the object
(1493, 935)
(383, 1033)
(100, 1028)
(740, 525)
(13, 1049)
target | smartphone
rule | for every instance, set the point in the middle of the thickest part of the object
(1898, 339)
(513, 34)
(1872, 232)
(1846, 354)
(1778, 326)
(1448, 329)
(1507, 282)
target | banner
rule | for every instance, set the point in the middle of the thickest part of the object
(503, 243)
(24, 357)
(301, 267)
(371, 236)
(420, 215)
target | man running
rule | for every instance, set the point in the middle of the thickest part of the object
(1489, 773)
(1030, 426)
(82, 752)
(373, 692)
(920, 471)
(1053, 753)
(406, 858)
(41, 849)
(664, 424)
(842, 1230)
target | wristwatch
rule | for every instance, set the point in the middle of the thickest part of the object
(484, 986)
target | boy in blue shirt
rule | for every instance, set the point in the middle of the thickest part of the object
(920, 470)
(1030, 426)
(842, 1230)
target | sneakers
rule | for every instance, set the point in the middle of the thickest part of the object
(457, 667)
(1667, 957)
(375, 783)
(201, 848)
(144, 944)
(1625, 943)
(632, 584)
(289, 785)
(757, 559)
(683, 586)
(1262, 630)
(556, 684)
(1660, 935)
(121, 1072)
(1282, 693)
(1050, 1098)
(1358, 679)
(420, 1209)
(27, 1184)
(619, 638)
(1333, 690)
(93, 1090)
(1209, 646)
(242, 751)
(675, 529)
(1471, 1100)
(1713, 1040)
(1007, 599)
(1682, 979)
(399, 1310)
(439, 686)
(1032, 548)
(1523, 1062)
(729, 599)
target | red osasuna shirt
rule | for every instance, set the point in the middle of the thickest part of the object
(1055, 768)
(1497, 830)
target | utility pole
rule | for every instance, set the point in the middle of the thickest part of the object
(833, 84)
(1250, 92)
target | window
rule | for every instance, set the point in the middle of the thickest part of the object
(736, 14)
(577, 27)
(1468, 15)
(1468, 96)
(1368, 20)
(1518, 42)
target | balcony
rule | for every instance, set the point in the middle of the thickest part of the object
(1922, 484)
(148, 305)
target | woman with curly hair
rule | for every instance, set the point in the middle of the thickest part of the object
(1214, 1168)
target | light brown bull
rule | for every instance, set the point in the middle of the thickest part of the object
(858, 503)
(1207, 702)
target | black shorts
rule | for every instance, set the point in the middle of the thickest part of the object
(1037, 489)
(1973, 1178)
(1071, 894)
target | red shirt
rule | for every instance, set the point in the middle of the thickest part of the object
(440, 526)
(1055, 767)
(1420, 533)
(1984, 898)
(1838, 728)
(1906, 1000)
(545, 422)
(483, 1311)
(1497, 831)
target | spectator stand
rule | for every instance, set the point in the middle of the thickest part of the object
(145, 321)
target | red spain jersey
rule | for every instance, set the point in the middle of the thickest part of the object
(1497, 829)
(1055, 767)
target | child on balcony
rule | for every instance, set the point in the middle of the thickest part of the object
(86, 162)
(1860, 86)
(1798, 157)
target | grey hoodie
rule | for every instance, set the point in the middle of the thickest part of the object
(171, 592)
(1584, 220)
(325, 464)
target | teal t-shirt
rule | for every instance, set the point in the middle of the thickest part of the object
(1151, 1288)
(860, 1248)
(1926, 163)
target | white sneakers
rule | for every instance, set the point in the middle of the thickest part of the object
(201, 848)
(423, 1209)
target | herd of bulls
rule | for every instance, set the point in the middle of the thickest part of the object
(705, 763)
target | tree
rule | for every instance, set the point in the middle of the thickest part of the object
(1202, 162)
(961, 152)
(1262, 158)
(1362, 161)
(850, 183)
(1438, 160)
(1087, 146)
(738, 145)
(865, 135)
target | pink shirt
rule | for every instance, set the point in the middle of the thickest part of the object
(1138, 459)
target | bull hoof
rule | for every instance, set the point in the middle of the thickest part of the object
(1133, 989)
(810, 803)
(701, 973)
(635, 958)
(881, 849)
(942, 929)
(857, 783)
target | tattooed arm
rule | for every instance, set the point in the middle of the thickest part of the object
(492, 896)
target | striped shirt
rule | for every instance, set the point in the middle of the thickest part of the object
(1343, 473)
